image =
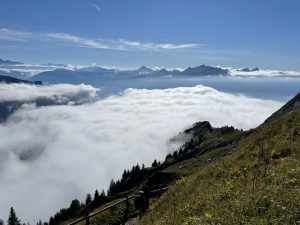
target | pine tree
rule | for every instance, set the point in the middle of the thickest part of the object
(74, 207)
(124, 176)
(13, 219)
(112, 187)
(154, 164)
(51, 221)
(88, 199)
(175, 155)
(168, 156)
(96, 195)
(1, 222)
(137, 168)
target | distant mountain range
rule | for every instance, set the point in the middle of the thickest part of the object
(90, 74)
(8, 62)
(61, 73)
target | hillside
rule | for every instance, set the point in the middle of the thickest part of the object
(258, 184)
(219, 176)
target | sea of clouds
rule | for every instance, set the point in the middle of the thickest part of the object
(50, 155)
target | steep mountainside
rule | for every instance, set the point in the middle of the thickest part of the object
(259, 183)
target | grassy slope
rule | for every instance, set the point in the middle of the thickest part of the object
(257, 184)
(170, 171)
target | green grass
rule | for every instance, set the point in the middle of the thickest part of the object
(259, 183)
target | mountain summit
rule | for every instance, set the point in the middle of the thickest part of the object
(205, 70)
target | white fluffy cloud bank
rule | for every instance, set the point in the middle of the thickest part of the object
(60, 93)
(50, 155)
(263, 73)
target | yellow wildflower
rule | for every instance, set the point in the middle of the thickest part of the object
(181, 181)
(208, 215)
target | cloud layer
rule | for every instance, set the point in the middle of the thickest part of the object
(14, 35)
(263, 73)
(53, 154)
(60, 93)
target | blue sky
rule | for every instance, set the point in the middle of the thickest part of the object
(165, 33)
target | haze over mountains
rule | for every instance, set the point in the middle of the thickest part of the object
(60, 73)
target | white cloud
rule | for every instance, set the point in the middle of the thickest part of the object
(263, 73)
(117, 44)
(82, 42)
(153, 46)
(96, 6)
(62, 93)
(14, 35)
(96, 43)
(73, 149)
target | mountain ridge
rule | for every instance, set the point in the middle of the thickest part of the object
(89, 74)
(8, 62)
